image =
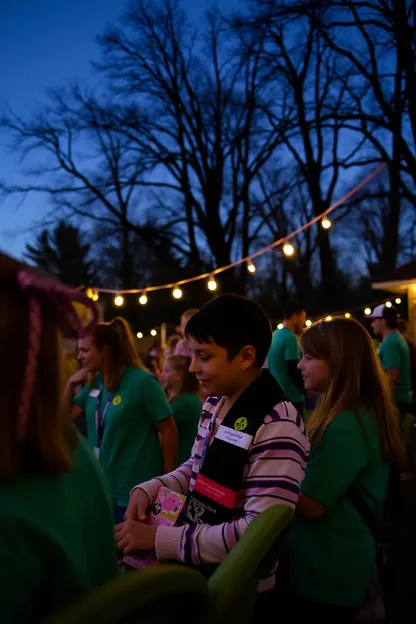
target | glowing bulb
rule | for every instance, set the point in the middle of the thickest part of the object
(388, 304)
(177, 293)
(367, 311)
(153, 333)
(90, 293)
(280, 326)
(308, 323)
(118, 301)
(143, 299)
(139, 335)
(212, 284)
(251, 268)
(95, 297)
(288, 249)
(326, 223)
(347, 315)
(328, 318)
(398, 301)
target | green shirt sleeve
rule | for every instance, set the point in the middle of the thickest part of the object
(291, 351)
(154, 399)
(336, 460)
(390, 356)
(81, 399)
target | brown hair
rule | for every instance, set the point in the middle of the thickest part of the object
(47, 443)
(189, 314)
(189, 383)
(356, 380)
(117, 341)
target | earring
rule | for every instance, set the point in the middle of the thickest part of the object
(244, 368)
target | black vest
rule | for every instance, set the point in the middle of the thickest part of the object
(213, 497)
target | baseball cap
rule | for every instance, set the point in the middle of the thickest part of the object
(383, 312)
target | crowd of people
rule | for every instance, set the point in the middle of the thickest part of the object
(318, 416)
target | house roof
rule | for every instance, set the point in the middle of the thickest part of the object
(400, 277)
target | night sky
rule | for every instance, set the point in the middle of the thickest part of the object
(43, 44)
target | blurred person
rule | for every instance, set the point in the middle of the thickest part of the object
(129, 422)
(171, 345)
(52, 490)
(354, 434)
(284, 355)
(403, 328)
(182, 347)
(182, 389)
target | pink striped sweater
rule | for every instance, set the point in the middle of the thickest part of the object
(272, 476)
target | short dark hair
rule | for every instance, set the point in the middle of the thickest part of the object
(391, 317)
(293, 307)
(232, 322)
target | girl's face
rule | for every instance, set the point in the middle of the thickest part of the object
(170, 376)
(89, 356)
(315, 373)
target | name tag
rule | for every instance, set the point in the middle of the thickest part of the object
(97, 452)
(236, 438)
(94, 393)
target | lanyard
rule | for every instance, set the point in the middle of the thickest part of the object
(209, 434)
(100, 418)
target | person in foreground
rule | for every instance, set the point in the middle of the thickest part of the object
(52, 548)
(354, 434)
(250, 450)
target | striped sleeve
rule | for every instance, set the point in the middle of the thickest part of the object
(178, 480)
(276, 469)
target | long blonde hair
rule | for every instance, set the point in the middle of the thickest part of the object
(117, 341)
(356, 380)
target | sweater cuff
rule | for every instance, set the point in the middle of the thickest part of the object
(150, 487)
(168, 541)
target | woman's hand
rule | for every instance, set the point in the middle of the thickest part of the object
(132, 536)
(80, 377)
(138, 506)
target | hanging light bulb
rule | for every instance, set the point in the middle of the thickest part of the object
(250, 267)
(398, 301)
(288, 249)
(95, 295)
(212, 284)
(328, 318)
(367, 311)
(347, 315)
(326, 223)
(143, 299)
(90, 293)
(153, 333)
(308, 323)
(139, 335)
(280, 326)
(388, 304)
(177, 293)
(118, 301)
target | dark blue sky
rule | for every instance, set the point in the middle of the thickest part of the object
(45, 43)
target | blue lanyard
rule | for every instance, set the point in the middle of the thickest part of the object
(100, 418)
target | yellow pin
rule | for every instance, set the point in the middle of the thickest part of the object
(240, 424)
(117, 400)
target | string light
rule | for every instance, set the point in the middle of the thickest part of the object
(326, 223)
(139, 335)
(398, 301)
(280, 326)
(95, 295)
(288, 249)
(212, 284)
(153, 333)
(250, 267)
(367, 311)
(118, 301)
(328, 318)
(388, 304)
(177, 293)
(308, 323)
(347, 315)
(143, 299)
(90, 293)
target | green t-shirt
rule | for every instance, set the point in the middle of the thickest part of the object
(130, 451)
(186, 411)
(333, 557)
(56, 539)
(285, 347)
(395, 354)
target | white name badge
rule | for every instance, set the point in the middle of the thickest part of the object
(97, 452)
(237, 438)
(94, 393)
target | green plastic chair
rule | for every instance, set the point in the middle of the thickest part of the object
(233, 585)
(159, 594)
